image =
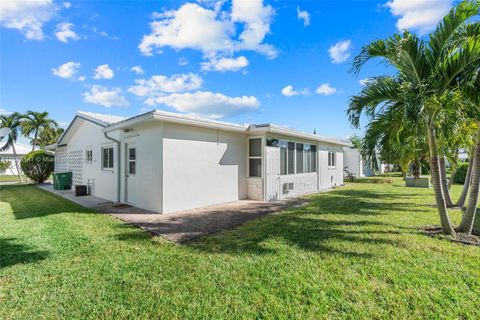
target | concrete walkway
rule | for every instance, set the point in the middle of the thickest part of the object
(183, 225)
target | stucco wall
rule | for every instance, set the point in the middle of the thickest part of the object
(353, 160)
(330, 176)
(85, 135)
(302, 183)
(202, 167)
(146, 189)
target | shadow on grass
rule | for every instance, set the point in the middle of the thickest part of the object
(28, 201)
(12, 253)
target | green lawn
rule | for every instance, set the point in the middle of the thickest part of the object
(351, 253)
(9, 178)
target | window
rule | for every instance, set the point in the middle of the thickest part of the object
(132, 157)
(255, 157)
(331, 159)
(107, 158)
(309, 158)
(300, 157)
(287, 157)
(88, 155)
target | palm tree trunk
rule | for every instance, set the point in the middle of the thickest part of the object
(466, 184)
(16, 162)
(444, 181)
(437, 184)
(469, 216)
(34, 139)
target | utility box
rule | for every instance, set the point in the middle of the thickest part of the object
(81, 190)
(62, 180)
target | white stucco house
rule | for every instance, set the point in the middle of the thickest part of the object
(166, 162)
(8, 156)
(359, 167)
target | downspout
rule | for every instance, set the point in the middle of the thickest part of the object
(119, 164)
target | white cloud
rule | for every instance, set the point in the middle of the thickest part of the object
(159, 85)
(137, 69)
(208, 104)
(67, 70)
(5, 112)
(105, 97)
(304, 16)
(363, 81)
(67, 5)
(103, 72)
(225, 64)
(421, 15)
(64, 32)
(289, 91)
(326, 89)
(340, 51)
(210, 30)
(28, 17)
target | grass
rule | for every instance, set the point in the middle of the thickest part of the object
(352, 253)
(9, 178)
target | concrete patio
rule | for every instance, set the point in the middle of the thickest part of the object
(184, 225)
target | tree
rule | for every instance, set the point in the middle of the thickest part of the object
(33, 122)
(356, 141)
(49, 135)
(12, 122)
(38, 165)
(426, 72)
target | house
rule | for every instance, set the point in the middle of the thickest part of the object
(7, 155)
(360, 167)
(166, 162)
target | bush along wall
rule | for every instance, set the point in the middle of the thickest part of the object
(461, 174)
(37, 165)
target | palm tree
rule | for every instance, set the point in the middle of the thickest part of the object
(48, 136)
(12, 122)
(35, 121)
(426, 71)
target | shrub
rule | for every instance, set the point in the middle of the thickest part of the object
(37, 165)
(461, 174)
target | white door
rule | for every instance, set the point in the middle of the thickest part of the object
(131, 173)
(272, 173)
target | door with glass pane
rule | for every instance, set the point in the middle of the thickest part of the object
(131, 173)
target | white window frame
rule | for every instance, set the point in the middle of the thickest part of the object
(260, 157)
(332, 160)
(113, 158)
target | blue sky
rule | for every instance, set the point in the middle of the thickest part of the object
(249, 61)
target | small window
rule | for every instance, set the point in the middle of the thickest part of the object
(132, 163)
(255, 147)
(255, 167)
(331, 159)
(107, 158)
(89, 156)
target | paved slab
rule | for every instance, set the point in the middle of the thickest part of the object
(184, 225)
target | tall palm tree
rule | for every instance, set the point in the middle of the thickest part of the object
(12, 122)
(426, 71)
(35, 121)
(48, 136)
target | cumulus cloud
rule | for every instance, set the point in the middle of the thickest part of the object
(304, 16)
(159, 85)
(103, 72)
(64, 32)
(326, 89)
(67, 70)
(105, 97)
(419, 15)
(28, 17)
(210, 30)
(225, 64)
(208, 104)
(137, 69)
(289, 91)
(340, 51)
(5, 112)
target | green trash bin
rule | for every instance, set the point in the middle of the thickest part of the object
(62, 180)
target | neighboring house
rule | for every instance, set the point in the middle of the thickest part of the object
(359, 167)
(7, 155)
(166, 162)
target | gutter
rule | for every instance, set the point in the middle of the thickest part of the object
(119, 163)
